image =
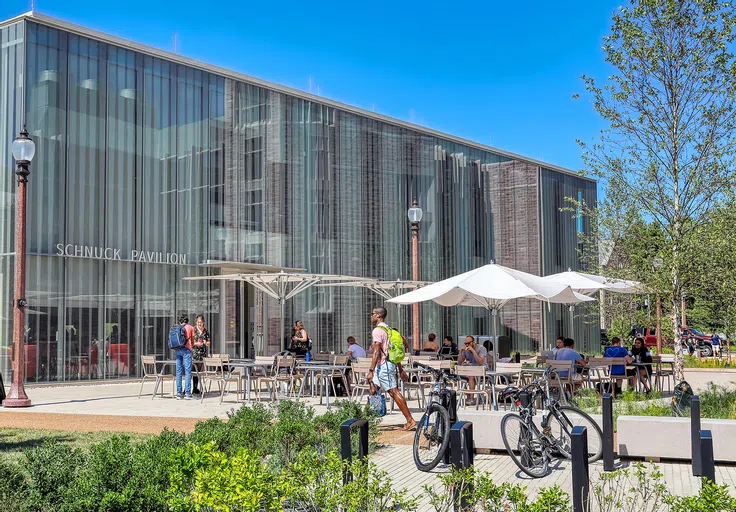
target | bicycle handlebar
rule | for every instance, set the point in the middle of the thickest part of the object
(438, 373)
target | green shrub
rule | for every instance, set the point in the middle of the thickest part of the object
(52, 468)
(328, 425)
(315, 484)
(291, 433)
(203, 477)
(13, 488)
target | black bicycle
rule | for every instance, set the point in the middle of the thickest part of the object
(530, 447)
(433, 430)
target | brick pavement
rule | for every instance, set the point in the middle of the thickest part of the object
(397, 461)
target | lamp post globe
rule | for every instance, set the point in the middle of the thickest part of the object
(24, 149)
(415, 216)
(415, 213)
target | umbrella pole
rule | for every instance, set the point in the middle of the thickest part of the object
(572, 321)
(494, 336)
(281, 335)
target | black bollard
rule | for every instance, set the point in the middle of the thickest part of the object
(695, 436)
(707, 464)
(608, 451)
(580, 470)
(450, 402)
(462, 451)
(346, 448)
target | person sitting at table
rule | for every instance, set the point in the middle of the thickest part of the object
(568, 353)
(640, 354)
(473, 355)
(448, 347)
(431, 344)
(616, 350)
(354, 350)
(559, 344)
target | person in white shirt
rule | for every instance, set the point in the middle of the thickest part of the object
(354, 350)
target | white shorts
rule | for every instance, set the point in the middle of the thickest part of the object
(385, 376)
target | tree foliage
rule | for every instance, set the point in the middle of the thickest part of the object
(667, 151)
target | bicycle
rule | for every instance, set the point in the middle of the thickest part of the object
(530, 448)
(433, 430)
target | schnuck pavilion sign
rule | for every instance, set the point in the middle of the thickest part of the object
(110, 253)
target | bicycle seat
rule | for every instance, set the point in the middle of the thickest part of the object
(510, 391)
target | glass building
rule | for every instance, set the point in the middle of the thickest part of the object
(151, 167)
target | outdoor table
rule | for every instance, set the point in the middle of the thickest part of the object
(248, 365)
(311, 367)
(171, 362)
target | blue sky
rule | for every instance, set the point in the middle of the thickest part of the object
(500, 73)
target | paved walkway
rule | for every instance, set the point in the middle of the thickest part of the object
(397, 461)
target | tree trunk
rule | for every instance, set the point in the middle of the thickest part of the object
(677, 307)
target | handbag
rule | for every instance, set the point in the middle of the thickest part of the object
(377, 402)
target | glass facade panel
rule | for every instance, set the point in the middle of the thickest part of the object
(147, 169)
(561, 244)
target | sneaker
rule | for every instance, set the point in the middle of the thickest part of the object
(188, 397)
(179, 397)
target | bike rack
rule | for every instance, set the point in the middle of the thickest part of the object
(346, 448)
(707, 464)
(695, 436)
(450, 403)
(461, 451)
(580, 469)
(608, 451)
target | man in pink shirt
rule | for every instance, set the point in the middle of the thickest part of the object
(184, 359)
(383, 371)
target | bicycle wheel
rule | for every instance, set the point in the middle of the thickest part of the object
(561, 423)
(525, 445)
(432, 437)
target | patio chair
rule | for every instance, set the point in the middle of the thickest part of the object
(149, 373)
(562, 383)
(664, 370)
(480, 391)
(331, 375)
(598, 373)
(504, 381)
(616, 380)
(214, 371)
(359, 371)
(283, 373)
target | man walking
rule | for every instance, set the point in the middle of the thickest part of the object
(383, 371)
(184, 359)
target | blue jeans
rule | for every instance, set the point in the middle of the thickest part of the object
(184, 358)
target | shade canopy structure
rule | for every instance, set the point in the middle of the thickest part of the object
(491, 286)
(388, 289)
(591, 283)
(282, 286)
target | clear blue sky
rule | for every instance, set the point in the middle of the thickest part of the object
(500, 73)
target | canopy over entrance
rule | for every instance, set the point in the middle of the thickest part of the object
(282, 286)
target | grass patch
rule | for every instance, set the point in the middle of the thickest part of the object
(13, 441)
(696, 362)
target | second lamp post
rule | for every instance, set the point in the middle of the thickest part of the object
(415, 215)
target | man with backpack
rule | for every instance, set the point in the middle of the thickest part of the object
(181, 338)
(388, 352)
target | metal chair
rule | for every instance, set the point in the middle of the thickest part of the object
(150, 373)
(480, 391)
(214, 371)
(661, 373)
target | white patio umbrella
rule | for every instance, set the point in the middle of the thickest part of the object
(388, 289)
(591, 283)
(282, 286)
(491, 286)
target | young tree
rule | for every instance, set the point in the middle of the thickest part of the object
(670, 110)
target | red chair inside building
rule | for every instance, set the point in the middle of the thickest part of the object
(30, 354)
(119, 358)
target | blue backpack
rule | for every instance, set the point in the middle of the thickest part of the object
(177, 337)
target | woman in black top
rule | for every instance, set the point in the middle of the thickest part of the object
(299, 339)
(199, 349)
(640, 353)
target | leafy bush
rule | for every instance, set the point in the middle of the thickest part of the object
(481, 494)
(52, 468)
(204, 477)
(316, 484)
(13, 488)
